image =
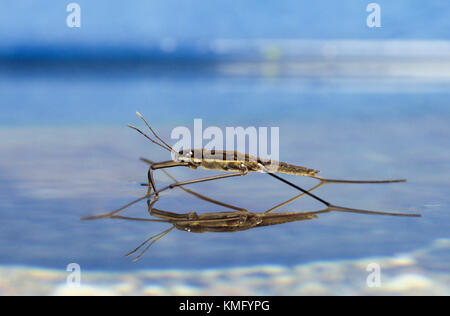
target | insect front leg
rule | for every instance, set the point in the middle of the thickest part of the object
(160, 165)
(244, 171)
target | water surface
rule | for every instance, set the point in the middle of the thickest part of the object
(67, 153)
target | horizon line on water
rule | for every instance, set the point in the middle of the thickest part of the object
(226, 50)
(425, 60)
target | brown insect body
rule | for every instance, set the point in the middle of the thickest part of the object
(234, 161)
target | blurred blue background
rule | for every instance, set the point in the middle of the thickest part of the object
(352, 101)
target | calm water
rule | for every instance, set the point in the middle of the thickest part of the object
(67, 153)
(352, 101)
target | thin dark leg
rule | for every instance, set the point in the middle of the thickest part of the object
(161, 165)
(299, 188)
(331, 207)
(294, 198)
(357, 181)
(222, 176)
(323, 181)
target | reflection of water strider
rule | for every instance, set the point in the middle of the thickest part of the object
(231, 221)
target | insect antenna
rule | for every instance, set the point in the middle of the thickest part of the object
(151, 139)
(153, 132)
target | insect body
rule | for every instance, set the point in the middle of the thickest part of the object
(233, 161)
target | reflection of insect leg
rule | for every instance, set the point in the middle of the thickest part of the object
(331, 207)
(170, 217)
(322, 182)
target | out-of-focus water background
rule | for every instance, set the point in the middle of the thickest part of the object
(352, 101)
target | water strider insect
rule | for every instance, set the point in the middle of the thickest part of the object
(239, 219)
(232, 161)
(232, 221)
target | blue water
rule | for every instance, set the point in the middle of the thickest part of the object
(68, 153)
(349, 109)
